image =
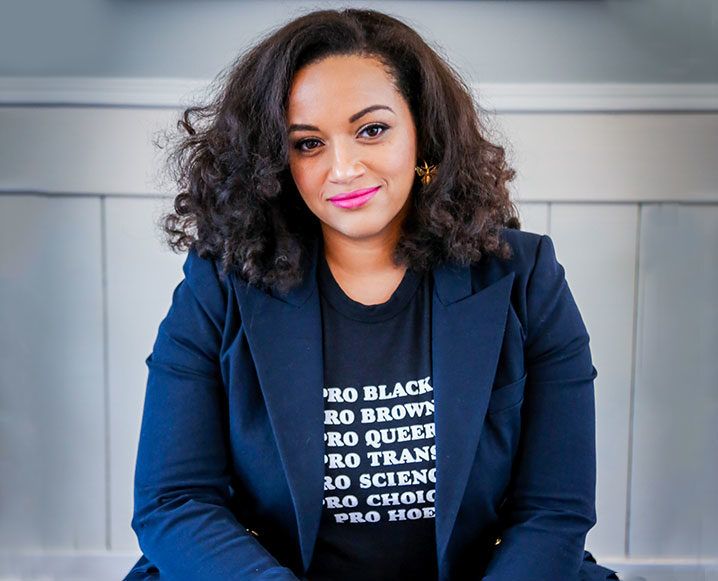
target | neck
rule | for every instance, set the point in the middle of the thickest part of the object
(359, 258)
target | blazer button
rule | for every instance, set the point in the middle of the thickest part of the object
(498, 541)
(253, 533)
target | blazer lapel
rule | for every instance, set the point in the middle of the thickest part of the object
(284, 332)
(467, 333)
(285, 337)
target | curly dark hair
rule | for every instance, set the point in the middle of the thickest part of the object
(238, 201)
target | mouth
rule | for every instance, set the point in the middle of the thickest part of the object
(354, 199)
(354, 194)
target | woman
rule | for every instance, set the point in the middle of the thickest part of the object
(368, 371)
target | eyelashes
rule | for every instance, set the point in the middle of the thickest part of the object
(375, 126)
(299, 145)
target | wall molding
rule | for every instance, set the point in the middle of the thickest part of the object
(155, 92)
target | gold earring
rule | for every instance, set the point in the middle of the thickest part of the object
(426, 172)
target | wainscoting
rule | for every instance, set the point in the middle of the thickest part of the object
(629, 196)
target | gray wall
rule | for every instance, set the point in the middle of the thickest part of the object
(637, 41)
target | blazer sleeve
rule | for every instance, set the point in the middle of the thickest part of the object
(182, 474)
(550, 503)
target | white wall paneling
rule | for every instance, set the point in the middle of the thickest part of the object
(596, 243)
(66, 565)
(141, 275)
(606, 157)
(558, 157)
(86, 280)
(664, 570)
(534, 216)
(52, 388)
(79, 150)
(674, 487)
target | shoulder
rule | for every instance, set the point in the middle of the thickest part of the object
(527, 249)
(534, 255)
(542, 297)
(524, 247)
(539, 284)
(191, 332)
(203, 272)
(208, 285)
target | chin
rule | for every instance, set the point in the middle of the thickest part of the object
(363, 223)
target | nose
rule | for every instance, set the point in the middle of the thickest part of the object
(345, 163)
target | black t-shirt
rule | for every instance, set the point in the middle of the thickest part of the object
(380, 471)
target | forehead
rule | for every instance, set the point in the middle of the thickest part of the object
(341, 85)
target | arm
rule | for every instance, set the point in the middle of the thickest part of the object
(181, 518)
(550, 503)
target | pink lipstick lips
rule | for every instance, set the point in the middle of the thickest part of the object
(354, 199)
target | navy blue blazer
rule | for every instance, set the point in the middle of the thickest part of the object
(230, 465)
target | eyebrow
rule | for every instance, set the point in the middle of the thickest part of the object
(357, 115)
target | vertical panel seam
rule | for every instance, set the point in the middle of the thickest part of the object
(634, 368)
(549, 210)
(105, 370)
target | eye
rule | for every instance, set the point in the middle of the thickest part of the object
(300, 144)
(375, 126)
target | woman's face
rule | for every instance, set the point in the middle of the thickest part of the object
(350, 130)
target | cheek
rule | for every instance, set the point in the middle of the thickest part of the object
(401, 169)
(397, 165)
(401, 164)
(304, 178)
